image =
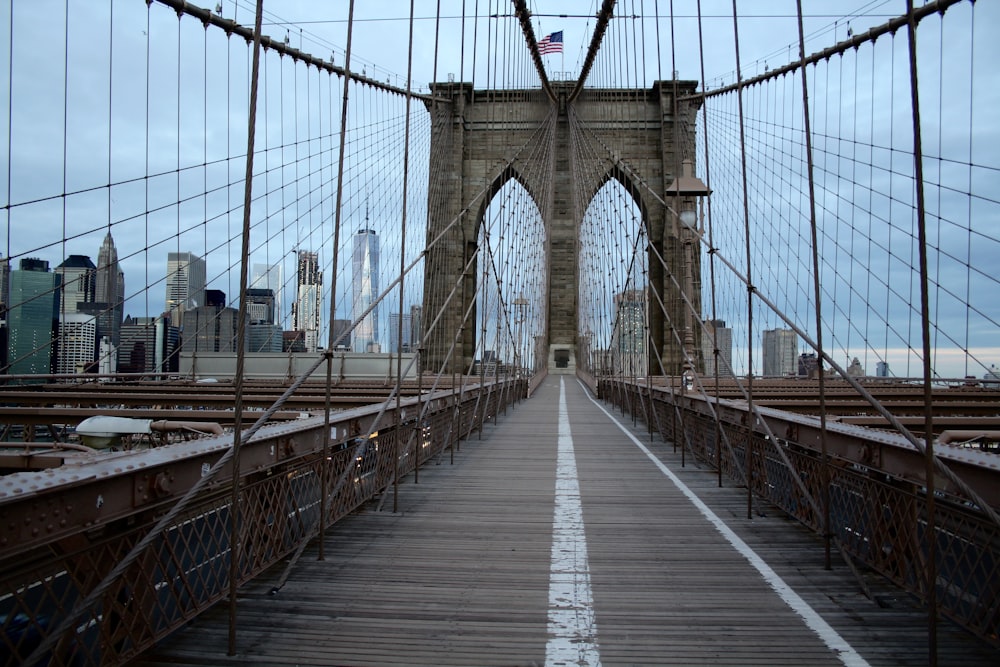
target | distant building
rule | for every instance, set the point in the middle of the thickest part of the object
(293, 341)
(341, 334)
(808, 365)
(724, 339)
(103, 313)
(260, 306)
(107, 357)
(266, 277)
(628, 334)
(780, 347)
(882, 369)
(4, 286)
(77, 349)
(4, 302)
(855, 369)
(78, 312)
(394, 330)
(78, 283)
(416, 322)
(148, 345)
(210, 329)
(365, 289)
(110, 291)
(992, 377)
(263, 335)
(306, 309)
(32, 318)
(185, 284)
(215, 298)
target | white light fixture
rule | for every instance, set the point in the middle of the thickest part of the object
(689, 219)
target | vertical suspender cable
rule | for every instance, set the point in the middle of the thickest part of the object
(711, 245)
(60, 294)
(748, 465)
(817, 294)
(145, 178)
(241, 333)
(417, 331)
(112, 269)
(918, 156)
(324, 496)
(10, 122)
(402, 276)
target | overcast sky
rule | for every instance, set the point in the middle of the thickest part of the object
(60, 89)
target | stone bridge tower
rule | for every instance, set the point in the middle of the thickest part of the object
(475, 138)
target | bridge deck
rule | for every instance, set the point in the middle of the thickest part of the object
(462, 574)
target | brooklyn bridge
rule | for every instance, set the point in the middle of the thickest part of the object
(489, 333)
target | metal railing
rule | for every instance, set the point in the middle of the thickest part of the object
(64, 532)
(877, 502)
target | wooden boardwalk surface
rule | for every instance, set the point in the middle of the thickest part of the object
(461, 574)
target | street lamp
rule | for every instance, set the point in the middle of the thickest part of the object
(687, 189)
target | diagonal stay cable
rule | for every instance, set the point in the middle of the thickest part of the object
(940, 465)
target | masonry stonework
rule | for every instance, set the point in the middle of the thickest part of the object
(475, 137)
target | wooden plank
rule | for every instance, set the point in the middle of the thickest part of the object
(460, 575)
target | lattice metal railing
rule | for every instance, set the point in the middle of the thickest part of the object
(186, 569)
(878, 517)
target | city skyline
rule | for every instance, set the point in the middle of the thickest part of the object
(96, 163)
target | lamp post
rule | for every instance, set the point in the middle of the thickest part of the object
(687, 190)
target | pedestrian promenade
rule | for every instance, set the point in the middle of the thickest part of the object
(565, 536)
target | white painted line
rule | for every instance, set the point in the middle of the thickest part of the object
(572, 627)
(813, 620)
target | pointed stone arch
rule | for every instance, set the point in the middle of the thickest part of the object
(470, 130)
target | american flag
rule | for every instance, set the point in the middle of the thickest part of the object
(551, 43)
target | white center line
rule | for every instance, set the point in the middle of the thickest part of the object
(812, 619)
(572, 627)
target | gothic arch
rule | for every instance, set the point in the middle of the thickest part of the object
(653, 134)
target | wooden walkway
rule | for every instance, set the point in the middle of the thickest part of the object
(461, 575)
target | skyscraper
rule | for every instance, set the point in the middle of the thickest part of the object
(394, 343)
(416, 322)
(260, 305)
(780, 352)
(110, 291)
(306, 309)
(4, 303)
(724, 339)
(4, 285)
(212, 327)
(78, 324)
(148, 344)
(185, 284)
(78, 283)
(411, 330)
(77, 350)
(341, 335)
(269, 277)
(32, 317)
(365, 290)
(262, 334)
(628, 337)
